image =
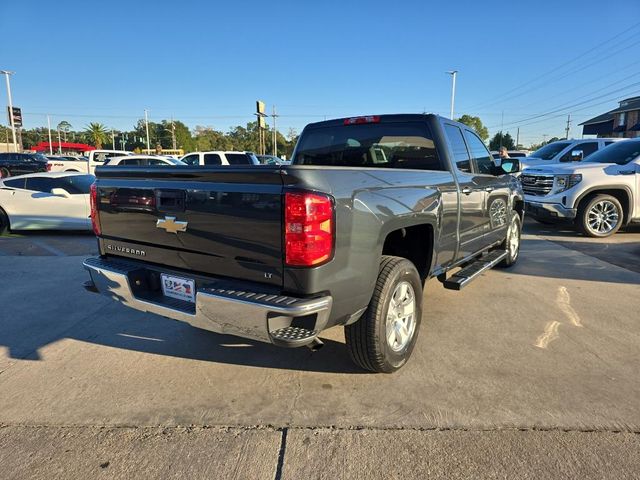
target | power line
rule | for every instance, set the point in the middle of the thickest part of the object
(555, 69)
(562, 107)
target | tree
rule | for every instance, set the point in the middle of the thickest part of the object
(476, 124)
(502, 140)
(97, 134)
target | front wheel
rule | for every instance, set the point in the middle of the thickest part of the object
(600, 217)
(383, 338)
(512, 243)
(4, 222)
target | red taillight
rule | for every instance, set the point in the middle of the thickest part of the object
(49, 167)
(309, 228)
(360, 120)
(95, 219)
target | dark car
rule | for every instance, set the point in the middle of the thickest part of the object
(12, 164)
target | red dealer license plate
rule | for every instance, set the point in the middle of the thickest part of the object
(180, 288)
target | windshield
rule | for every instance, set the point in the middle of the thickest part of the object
(549, 151)
(620, 153)
(374, 145)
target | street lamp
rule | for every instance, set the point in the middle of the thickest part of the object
(6, 74)
(453, 74)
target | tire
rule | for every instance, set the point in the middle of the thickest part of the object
(4, 173)
(4, 222)
(600, 216)
(378, 341)
(512, 243)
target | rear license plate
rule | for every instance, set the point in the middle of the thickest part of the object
(180, 288)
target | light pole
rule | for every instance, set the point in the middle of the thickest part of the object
(50, 141)
(13, 127)
(146, 122)
(453, 74)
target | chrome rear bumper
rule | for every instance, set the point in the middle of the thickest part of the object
(235, 312)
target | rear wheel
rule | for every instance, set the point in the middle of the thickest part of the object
(600, 216)
(512, 243)
(383, 338)
(4, 172)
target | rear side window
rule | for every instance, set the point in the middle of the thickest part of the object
(371, 145)
(212, 159)
(16, 183)
(458, 147)
(238, 159)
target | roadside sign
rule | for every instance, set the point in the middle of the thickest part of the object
(260, 107)
(17, 116)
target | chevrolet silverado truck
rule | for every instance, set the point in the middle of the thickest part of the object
(369, 209)
(599, 195)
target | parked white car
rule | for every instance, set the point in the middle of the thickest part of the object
(143, 161)
(46, 201)
(564, 151)
(220, 158)
(600, 194)
(95, 158)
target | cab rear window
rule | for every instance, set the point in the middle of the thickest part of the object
(370, 145)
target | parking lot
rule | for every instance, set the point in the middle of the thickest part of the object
(523, 367)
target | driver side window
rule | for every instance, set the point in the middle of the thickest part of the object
(479, 151)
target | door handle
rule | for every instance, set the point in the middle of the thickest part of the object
(488, 189)
(627, 172)
(467, 190)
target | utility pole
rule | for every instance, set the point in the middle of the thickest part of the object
(173, 135)
(518, 137)
(453, 74)
(113, 139)
(49, 127)
(568, 129)
(146, 122)
(59, 143)
(275, 133)
(13, 127)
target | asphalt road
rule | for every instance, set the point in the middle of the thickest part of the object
(527, 373)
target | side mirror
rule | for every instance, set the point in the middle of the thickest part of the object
(577, 155)
(60, 192)
(510, 165)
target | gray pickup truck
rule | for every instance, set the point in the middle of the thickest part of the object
(369, 209)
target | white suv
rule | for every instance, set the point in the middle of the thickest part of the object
(600, 194)
(564, 151)
(220, 158)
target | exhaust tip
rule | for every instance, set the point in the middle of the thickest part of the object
(315, 345)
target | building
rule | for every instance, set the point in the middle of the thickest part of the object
(622, 122)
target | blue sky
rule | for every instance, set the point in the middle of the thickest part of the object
(207, 62)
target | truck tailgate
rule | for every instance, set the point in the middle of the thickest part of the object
(224, 221)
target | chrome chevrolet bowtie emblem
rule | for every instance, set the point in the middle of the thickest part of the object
(170, 225)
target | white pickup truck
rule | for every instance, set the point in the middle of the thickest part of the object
(600, 194)
(96, 159)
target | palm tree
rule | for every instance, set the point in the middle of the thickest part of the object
(97, 133)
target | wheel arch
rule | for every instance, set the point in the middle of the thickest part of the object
(413, 241)
(621, 192)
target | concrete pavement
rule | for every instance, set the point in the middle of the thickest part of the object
(550, 344)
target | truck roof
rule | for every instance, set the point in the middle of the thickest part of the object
(394, 117)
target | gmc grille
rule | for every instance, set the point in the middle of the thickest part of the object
(538, 185)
